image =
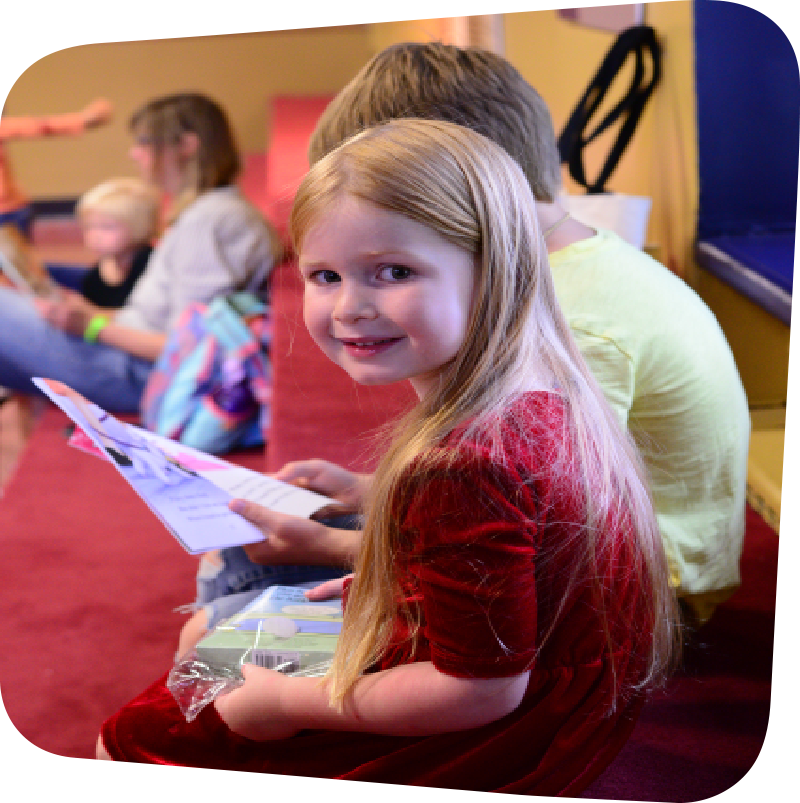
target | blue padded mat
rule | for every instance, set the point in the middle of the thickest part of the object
(771, 255)
(759, 266)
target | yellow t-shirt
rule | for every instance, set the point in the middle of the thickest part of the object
(667, 370)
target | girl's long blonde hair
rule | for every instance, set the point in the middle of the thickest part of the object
(463, 186)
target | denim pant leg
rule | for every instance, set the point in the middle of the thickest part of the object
(29, 346)
(237, 574)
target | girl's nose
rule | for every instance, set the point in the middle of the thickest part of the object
(354, 303)
(135, 153)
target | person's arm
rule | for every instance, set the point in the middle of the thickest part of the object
(211, 250)
(94, 114)
(612, 368)
(473, 568)
(72, 313)
(328, 479)
(136, 342)
(410, 700)
(293, 539)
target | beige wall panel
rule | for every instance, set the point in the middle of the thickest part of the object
(759, 341)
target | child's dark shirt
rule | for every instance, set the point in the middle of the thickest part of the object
(114, 296)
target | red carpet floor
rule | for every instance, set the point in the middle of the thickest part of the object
(704, 732)
(90, 579)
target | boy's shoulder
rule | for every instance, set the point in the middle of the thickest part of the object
(606, 263)
(609, 286)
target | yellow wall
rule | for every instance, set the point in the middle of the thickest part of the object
(241, 71)
(388, 33)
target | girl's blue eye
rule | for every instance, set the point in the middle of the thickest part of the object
(396, 273)
(326, 276)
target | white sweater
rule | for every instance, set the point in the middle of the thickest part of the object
(219, 244)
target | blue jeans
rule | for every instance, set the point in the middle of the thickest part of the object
(22, 218)
(29, 346)
(224, 590)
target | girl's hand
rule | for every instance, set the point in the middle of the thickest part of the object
(254, 709)
(70, 312)
(330, 589)
(293, 539)
(328, 479)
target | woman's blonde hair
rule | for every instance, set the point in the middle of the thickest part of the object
(131, 201)
(466, 188)
(164, 122)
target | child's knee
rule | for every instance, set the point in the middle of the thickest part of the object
(210, 565)
(101, 754)
(192, 631)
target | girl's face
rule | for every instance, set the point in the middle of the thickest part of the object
(144, 154)
(386, 298)
(164, 169)
(105, 235)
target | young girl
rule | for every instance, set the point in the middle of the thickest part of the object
(510, 604)
(215, 243)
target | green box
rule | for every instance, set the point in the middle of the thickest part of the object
(280, 629)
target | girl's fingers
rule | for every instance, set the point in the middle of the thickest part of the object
(330, 589)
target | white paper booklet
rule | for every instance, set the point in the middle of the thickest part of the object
(187, 489)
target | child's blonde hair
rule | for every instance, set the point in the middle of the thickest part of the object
(131, 201)
(466, 188)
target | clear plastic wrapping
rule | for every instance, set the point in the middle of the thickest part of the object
(279, 630)
(195, 683)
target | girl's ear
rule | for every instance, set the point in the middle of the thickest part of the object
(189, 145)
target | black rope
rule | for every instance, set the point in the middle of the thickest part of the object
(637, 41)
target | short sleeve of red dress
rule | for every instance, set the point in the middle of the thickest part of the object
(470, 566)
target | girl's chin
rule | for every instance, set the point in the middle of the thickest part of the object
(375, 381)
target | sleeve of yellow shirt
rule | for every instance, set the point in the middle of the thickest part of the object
(612, 368)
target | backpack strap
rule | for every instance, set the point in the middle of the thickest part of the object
(639, 41)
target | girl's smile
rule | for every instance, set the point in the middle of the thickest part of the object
(386, 298)
(368, 347)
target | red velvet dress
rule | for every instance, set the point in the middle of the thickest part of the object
(489, 550)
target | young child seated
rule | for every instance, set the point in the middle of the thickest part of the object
(510, 605)
(215, 243)
(119, 219)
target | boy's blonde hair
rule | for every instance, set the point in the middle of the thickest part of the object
(131, 201)
(467, 86)
(470, 192)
